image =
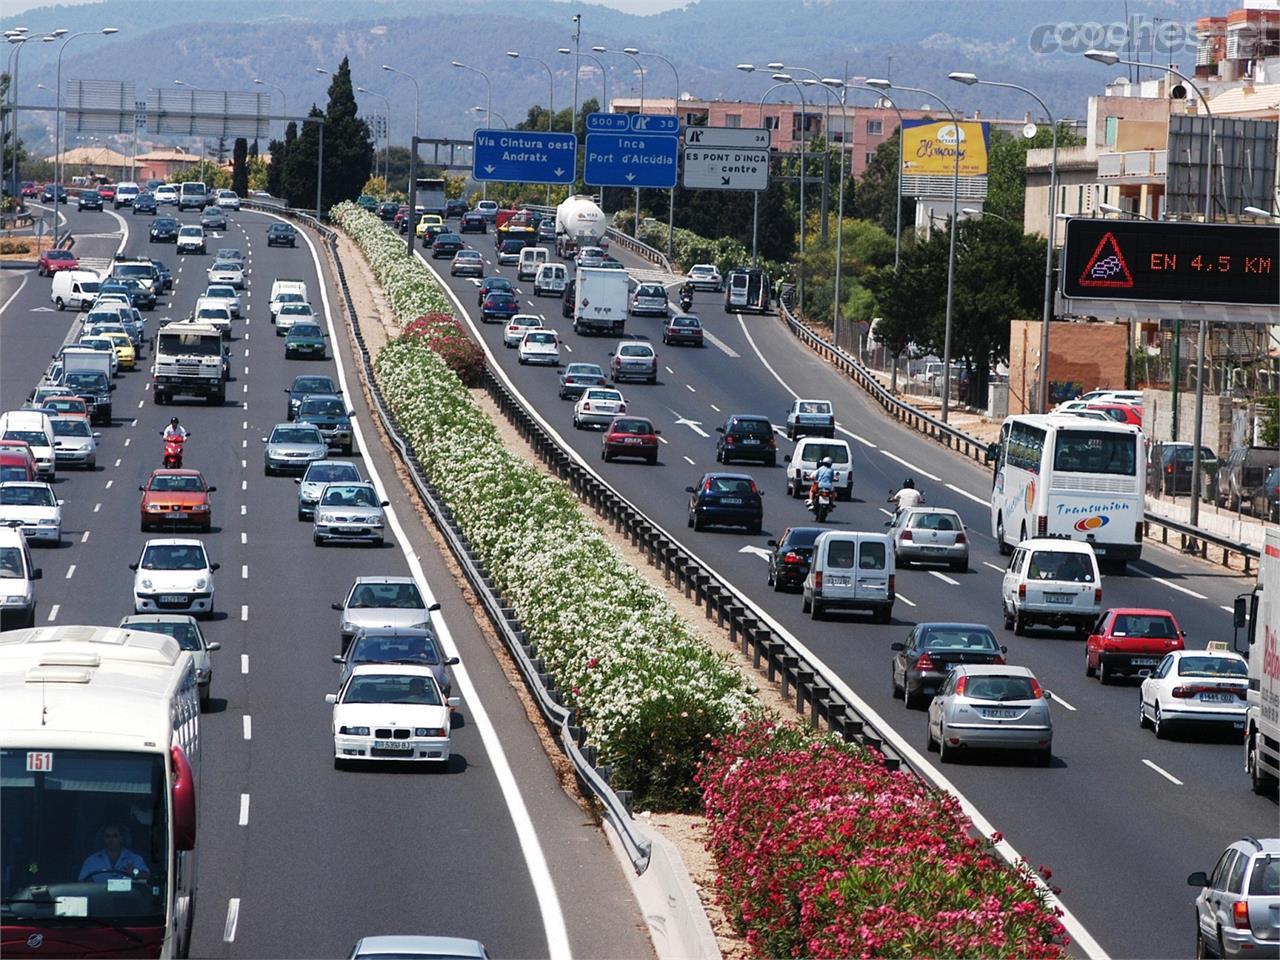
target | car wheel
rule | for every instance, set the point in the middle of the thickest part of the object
(1142, 713)
(930, 744)
(884, 615)
(960, 566)
(317, 540)
(1045, 757)
(897, 687)
(690, 519)
(805, 603)
(698, 522)
(301, 515)
(771, 462)
(1105, 675)
(1089, 670)
(604, 455)
(945, 754)
(1159, 726)
(1019, 624)
(912, 701)
(720, 456)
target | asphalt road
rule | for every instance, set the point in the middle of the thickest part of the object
(1120, 818)
(297, 859)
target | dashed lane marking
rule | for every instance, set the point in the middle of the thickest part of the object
(84, 537)
(244, 663)
(244, 809)
(53, 612)
(993, 567)
(720, 345)
(905, 600)
(1163, 772)
(1171, 585)
(944, 578)
(244, 612)
(965, 493)
(244, 571)
(689, 462)
(71, 572)
(233, 917)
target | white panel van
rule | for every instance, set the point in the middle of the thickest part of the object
(851, 570)
(74, 288)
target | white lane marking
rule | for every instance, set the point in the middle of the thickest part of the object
(126, 440)
(1058, 700)
(243, 509)
(715, 408)
(233, 913)
(1226, 608)
(12, 296)
(84, 537)
(97, 507)
(905, 600)
(887, 513)
(246, 371)
(993, 567)
(244, 809)
(944, 578)
(553, 924)
(720, 345)
(910, 466)
(108, 486)
(71, 572)
(244, 571)
(244, 663)
(244, 484)
(244, 611)
(1171, 585)
(965, 493)
(1164, 773)
(244, 444)
(689, 388)
(689, 462)
(668, 369)
(244, 464)
(760, 552)
(248, 727)
(767, 365)
(53, 612)
(140, 403)
(569, 348)
(133, 422)
(246, 389)
(694, 425)
(662, 439)
(244, 537)
(862, 440)
(117, 461)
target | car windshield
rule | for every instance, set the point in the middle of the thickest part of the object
(467, 255)
(624, 425)
(186, 633)
(960, 638)
(1210, 666)
(296, 435)
(173, 556)
(296, 310)
(349, 496)
(192, 231)
(61, 404)
(176, 483)
(1144, 625)
(816, 452)
(501, 296)
(635, 350)
(803, 537)
(312, 385)
(323, 408)
(498, 283)
(378, 688)
(651, 290)
(301, 330)
(212, 313)
(818, 407)
(27, 496)
(755, 428)
(685, 322)
(1063, 567)
(34, 437)
(612, 396)
(583, 370)
(999, 688)
(397, 596)
(11, 563)
(413, 649)
(1265, 881)
(222, 293)
(290, 296)
(226, 265)
(330, 473)
(71, 427)
(935, 521)
(1095, 451)
(86, 381)
(525, 322)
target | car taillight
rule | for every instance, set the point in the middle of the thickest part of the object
(754, 488)
(586, 405)
(706, 487)
(906, 535)
(817, 582)
(1240, 914)
(1183, 693)
(960, 538)
(925, 662)
(960, 685)
(622, 408)
(1022, 591)
(998, 659)
(1169, 469)
(1036, 691)
(792, 558)
(1097, 594)
(1042, 526)
(728, 440)
(892, 581)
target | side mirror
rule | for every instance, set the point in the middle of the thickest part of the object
(690, 490)
(97, 436)
(335, 606)
(61, 502)
(897, 645)
(351, 413)
(37, 574)
(330, 698)
(1198, 879)
(1144, 674)
(336, 658)
(657, 433)
(786, 458)
(455, 701)
(433, 608)
(133, 566)
(1240, 612)
(1048, 694)
(1004, 649)
(719, 429)
(286, 390)
(888, 523)
(215, 566)
(213, 645)
(212, 490)
(142, 488)
(772, 543)
(112, 387)
(298, 481)
(386, 503)
(452, 662)
(264, 439)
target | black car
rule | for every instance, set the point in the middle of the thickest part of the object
(281, 235)
(164, 280)
(790, 557)
(328, 414)
(493, 283)
(1242, 473)
(141, 295)
(145, 203)
(726, 500)
(88, 200)
(164, 230)
(388, 209)
(305, 386)
(431, 231)
(473, 222)
(930, 651)
(412, 645)
(498, 305)
(446, 245)
(1171, 474)
(454, 208)
(1266, 498)
(54, 192)
(747, 437)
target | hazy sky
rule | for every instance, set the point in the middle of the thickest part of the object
(12, 7)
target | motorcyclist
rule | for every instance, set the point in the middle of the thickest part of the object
(908, 496)
(175, 430)
(824, 478)
(686, 292)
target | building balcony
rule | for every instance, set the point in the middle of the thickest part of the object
(1133, 166)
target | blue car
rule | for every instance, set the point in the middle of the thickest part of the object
(145, 203)
(499, 306)
(726, 500)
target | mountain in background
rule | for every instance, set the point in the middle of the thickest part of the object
(915, 42)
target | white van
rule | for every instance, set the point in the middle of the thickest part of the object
(126, 193)
(286, 291)
(35, 428)
(192, 195)
(804, 460)
(551, 279)
(17, 587)
(74, 288)
(1052, 581)
(531, 258)
(850, 570)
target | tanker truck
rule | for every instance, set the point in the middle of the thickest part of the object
(579, 223)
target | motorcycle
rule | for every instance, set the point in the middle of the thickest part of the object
(686, 302)
(173, 452)
(821, 503)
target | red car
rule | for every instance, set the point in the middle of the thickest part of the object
(51, 261)
(1127, 640)
(30, 189)
(17, 462)
(1120, 412)
(107, 191)
(176, 497)
(630, 437)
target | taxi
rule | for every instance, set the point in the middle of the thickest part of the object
(1205, 688)
(126, 355)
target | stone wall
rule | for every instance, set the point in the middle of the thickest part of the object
(1157, 419)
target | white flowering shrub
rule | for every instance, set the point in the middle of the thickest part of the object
(651, 694)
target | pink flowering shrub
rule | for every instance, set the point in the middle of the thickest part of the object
(446, 336)
(822, 852)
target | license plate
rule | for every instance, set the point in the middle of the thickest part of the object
(732, 501)
(838, 580)
(350, 529)
(173, 515)
(632, 440)
(1218, 697)
(1000, 714)
(750, 442)
(1064, 598)
(173, 598)
(392, 745)
(933, 549)
(1144, 661)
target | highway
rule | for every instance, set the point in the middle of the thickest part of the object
(1121, 818)
(297, 859)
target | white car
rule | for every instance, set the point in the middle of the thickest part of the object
(597, 407)
(75, 443)
(173, 576)
(391, 711)
(228, 295)
(165, 193)
(518, 326)
(705, 276)
(489, 209)
(540, 346)
(228, 200)
(191, 238)
(291, 313)
(277, 302)
(1052, 582)
(1192, 687)
(589, 257)
(649, 298)
(229, 272)
(34, 508)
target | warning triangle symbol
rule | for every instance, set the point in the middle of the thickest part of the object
(1106, 268)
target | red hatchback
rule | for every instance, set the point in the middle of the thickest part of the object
(176, 497)
(1120, 412)
(1128, 640)
(51, 261)
(107, 191)
(630, 437)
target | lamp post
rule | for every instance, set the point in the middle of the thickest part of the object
(675, 109)
(551, 98)
(1261, 214)
(488, 107)
(897, 229)
(284, 99)
(417, 112)
(386, 152)
(17, 37)
(604, 79)
(755, 211)
(479, 109)
(970, 79)
(1107, 58)
(629, 53)
(57, 119)
(975, 212)
(955, 215)
(804, 108)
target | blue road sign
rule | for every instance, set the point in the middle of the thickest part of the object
(608, 123)
(524, 156)
(632, 150)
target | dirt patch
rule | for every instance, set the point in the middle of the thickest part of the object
(35, 246)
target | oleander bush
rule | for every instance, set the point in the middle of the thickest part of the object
(823, 852)
(651, 694)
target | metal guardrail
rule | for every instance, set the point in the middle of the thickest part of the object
(615, 805)
(1193, 539)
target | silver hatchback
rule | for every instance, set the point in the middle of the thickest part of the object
(930, 535)
(988, 706)
(349, 511)
(1238, 909)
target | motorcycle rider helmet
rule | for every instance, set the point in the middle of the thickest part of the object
(173, 421)
(908, 484)
(826, 461)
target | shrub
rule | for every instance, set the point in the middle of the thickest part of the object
(14, 246)
(447, 337)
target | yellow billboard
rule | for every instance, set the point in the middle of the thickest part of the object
(929, 148)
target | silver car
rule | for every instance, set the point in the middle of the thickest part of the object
(227, 271)
(987, 706)
(311, 483)
(349, 511)
(930, 535)
(589, 257)
(413, 645)
(75, 443)
(186, 631)
(226, 293)
(1238, 908)
(383, 602)
(292, 447)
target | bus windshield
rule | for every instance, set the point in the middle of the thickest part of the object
(1095, 451)
(85, 836)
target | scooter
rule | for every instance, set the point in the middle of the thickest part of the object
(173, 452)
(821, 503)
(686, 302)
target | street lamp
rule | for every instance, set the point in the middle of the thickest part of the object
(604, 75)
(488, 108)
(975, 212)
(386, 153)
(57, 137)
(183, 83)
(480, 109)
(417, 95)
(970, 79)
(630, 54)
(804, 117)
(755, 212)
(675, 109)
(879, 84)
(551, 98)
(1121, 211)
(284, 100)
(1259, 212)
(17, 37)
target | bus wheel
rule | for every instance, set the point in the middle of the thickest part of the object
(1005, 549)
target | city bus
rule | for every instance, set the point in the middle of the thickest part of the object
(1061, 475)
(99, 767)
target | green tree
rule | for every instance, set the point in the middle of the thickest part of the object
(299, 176)
(279, 150)
(240, 167)
(1007, 167)
(865, 247)
(348, 141)
(875, 193)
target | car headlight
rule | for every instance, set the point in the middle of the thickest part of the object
(12, 601)
(428, 731)
(201, 508)
(202, 674)
(354, 731)
(146, 584)
(201, 583)
(325, 518)
(154, 508)
(48, 523)
(376, 522)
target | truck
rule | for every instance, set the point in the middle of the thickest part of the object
(579, 223)
(188, 359)
(601, 298)
(285, 290)
(1257, 637)
(88, 373)
(746, 288)
(428, 196)
(520, 225)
